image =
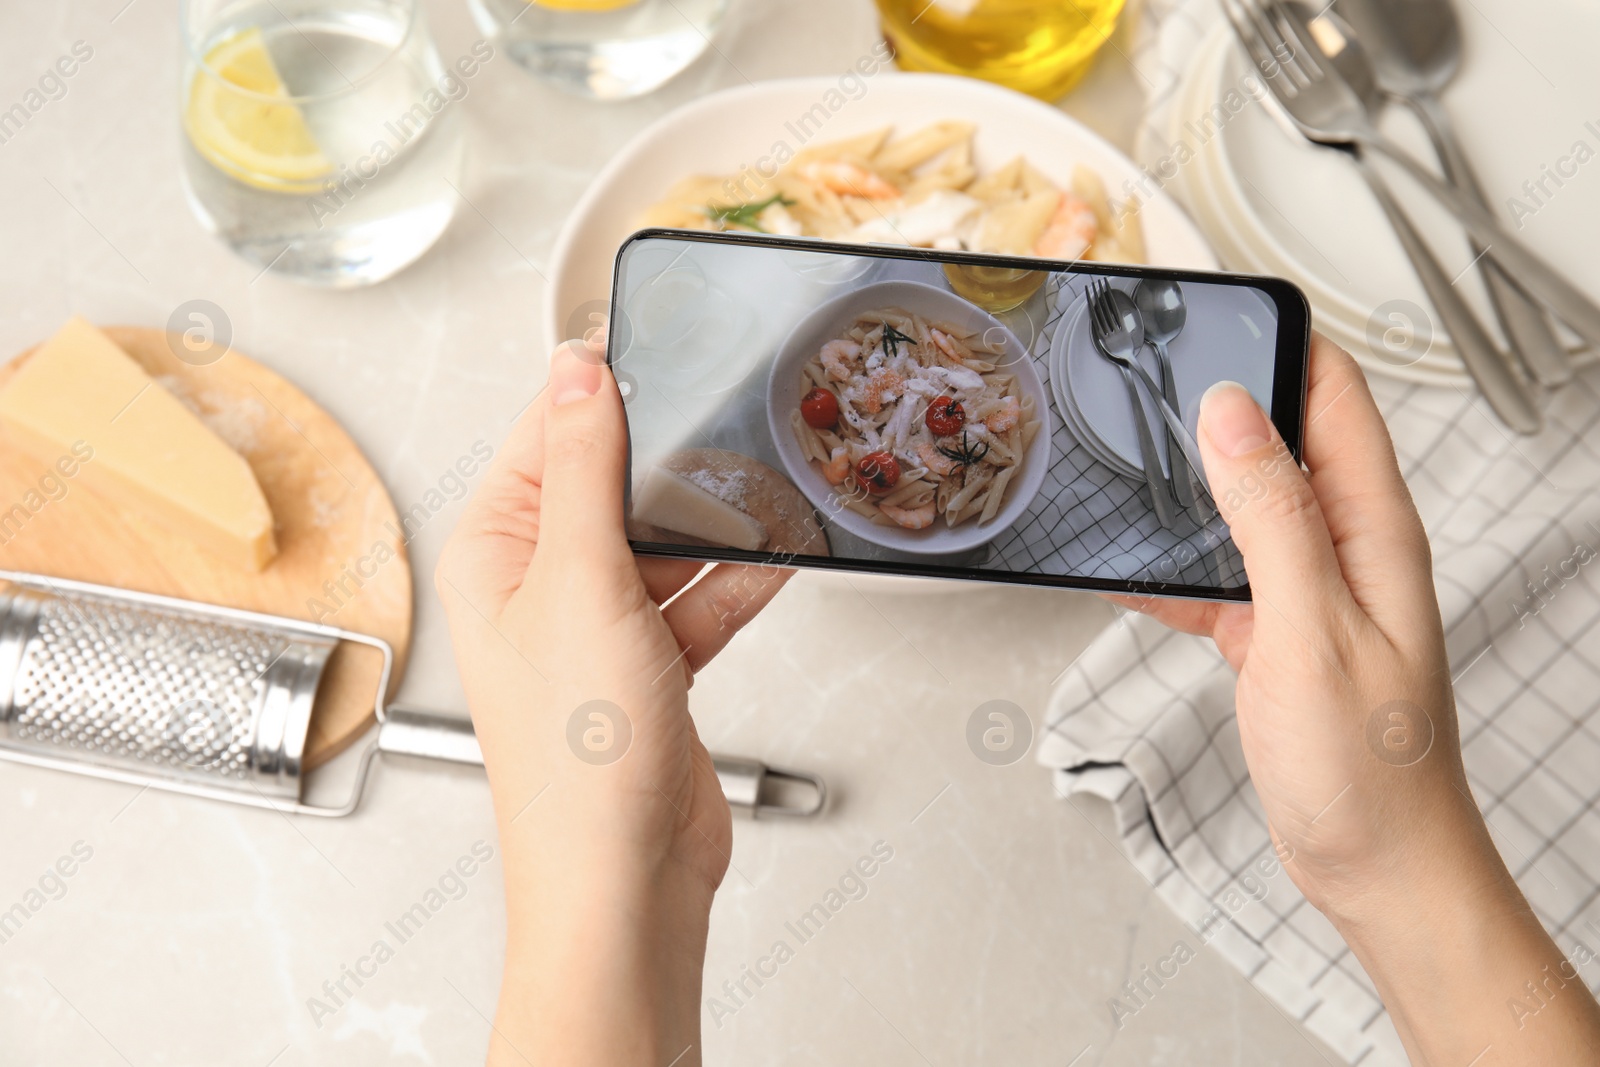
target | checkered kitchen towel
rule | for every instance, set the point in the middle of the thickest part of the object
(1145, 718)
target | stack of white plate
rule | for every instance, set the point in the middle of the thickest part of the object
(1272, 203)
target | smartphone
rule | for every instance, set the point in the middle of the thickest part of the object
(908, 411)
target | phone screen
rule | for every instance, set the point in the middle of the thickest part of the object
(907, 411)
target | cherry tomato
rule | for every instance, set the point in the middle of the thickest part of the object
(878, 472)
(945, 416)
(820, 409)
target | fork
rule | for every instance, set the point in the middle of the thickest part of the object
(1104, 327)
(1324, 107)
(1511, 398)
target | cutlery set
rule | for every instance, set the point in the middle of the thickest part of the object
(1331, 72)
(1122, 326)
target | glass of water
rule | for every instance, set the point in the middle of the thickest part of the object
(323, 138)
(602, 49)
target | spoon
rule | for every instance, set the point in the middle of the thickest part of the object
(1509, 396)
(1119, 339)
(1160, 303)
(1415, 49)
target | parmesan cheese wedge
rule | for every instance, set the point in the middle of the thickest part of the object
(674, 503)
(150, 453)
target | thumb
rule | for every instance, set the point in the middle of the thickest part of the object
(1271, 509)
(585, 463)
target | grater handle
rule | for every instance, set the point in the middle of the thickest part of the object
(430, 735)
(407, 731)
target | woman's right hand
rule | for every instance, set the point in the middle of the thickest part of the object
(1348, 725)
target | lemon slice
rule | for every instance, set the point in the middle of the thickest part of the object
(255, 140)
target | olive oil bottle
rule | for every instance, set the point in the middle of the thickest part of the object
(1039, 47)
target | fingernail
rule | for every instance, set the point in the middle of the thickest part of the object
(571, 376)
(1233, 420)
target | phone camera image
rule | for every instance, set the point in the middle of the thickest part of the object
(909, 412)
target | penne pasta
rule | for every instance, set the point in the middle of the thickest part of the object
(1130, 232)
(1087, 186)
(975, 484)
(966, 512)
(851, 188)
(1014, 227)
(996, 495)
(915, 149)
(808, 438)
(1029, 429)
(905, 491)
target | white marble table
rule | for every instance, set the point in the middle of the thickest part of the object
(196, 933)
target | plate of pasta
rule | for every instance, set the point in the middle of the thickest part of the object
(963, 164)
(910, 417)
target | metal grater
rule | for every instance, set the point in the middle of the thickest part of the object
(212, 701)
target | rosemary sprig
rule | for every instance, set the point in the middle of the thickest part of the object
(967, 453)
(745, 216)
(892, 338)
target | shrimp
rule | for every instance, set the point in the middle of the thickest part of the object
(919, 518)
(847, 179)
(1004, 417)
(837, 469)
(1070, 231)
(934, 460)
(947, 344)
(837, 356)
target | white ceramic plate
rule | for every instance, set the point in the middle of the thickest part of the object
(1304, 211)
(1069, 409)
(723, 132)
(1246, 246)
(1439, 366)
(831, 320)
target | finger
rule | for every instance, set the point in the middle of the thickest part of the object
(1273, 514)
(1377, 535)
(1189, 616)
(489, 550)
(664, 578)
(1228, 624)
(585, 463)
(708, 613)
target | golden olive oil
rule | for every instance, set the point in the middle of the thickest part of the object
(1039, 47)
(994, 289)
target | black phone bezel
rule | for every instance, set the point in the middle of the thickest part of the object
(1289, 384)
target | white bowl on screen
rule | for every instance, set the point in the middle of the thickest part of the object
(832, 320)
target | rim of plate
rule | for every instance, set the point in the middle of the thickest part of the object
(1077, 425)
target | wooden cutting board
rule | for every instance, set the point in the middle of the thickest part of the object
(329, 507)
